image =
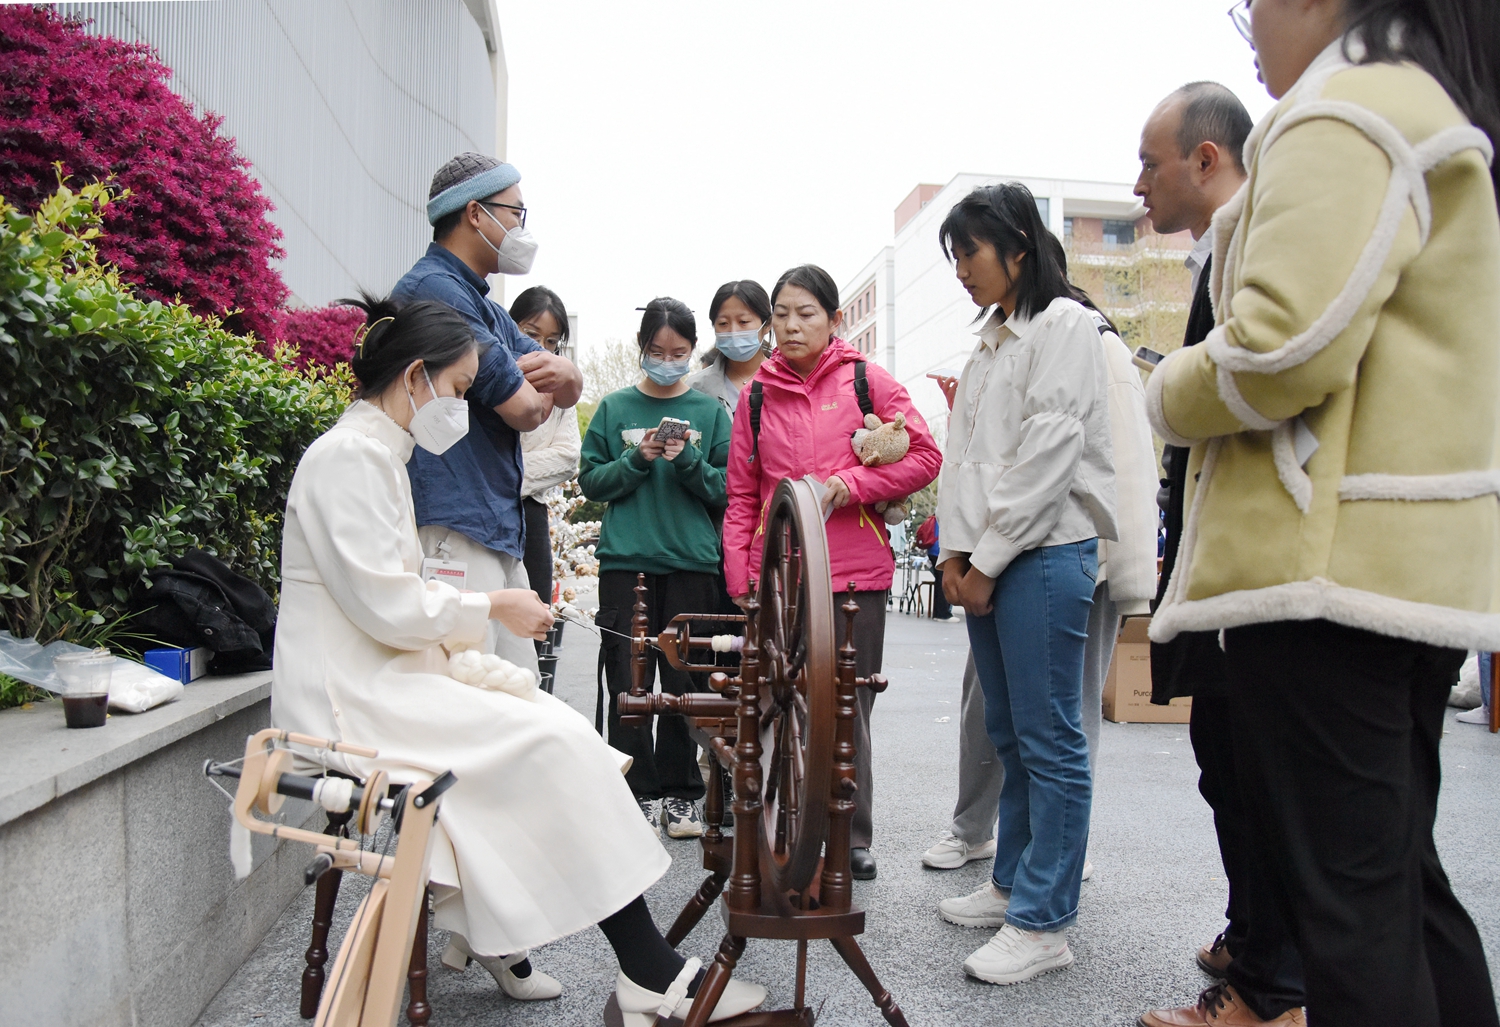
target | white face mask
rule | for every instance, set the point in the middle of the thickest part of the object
(440, 422)
(516, 251)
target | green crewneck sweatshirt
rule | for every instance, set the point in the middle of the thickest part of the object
(661, 513)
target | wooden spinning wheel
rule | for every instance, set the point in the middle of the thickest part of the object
(797, 698)
(783, 732)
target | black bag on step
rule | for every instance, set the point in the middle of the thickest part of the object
(199, 601)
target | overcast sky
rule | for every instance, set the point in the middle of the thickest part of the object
(668, 147)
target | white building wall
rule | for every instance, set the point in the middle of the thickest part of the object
(879, 272)
(344, 109)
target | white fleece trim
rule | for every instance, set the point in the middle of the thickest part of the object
(1321, 599)
(1176, 590)
(1155, 382)
(1408, 186)
(1420, 487)
(1226, 222)
(1293, 478)
(1229, 393)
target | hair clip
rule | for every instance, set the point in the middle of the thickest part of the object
(363, 333)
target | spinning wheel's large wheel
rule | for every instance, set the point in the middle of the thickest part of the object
(798, 696)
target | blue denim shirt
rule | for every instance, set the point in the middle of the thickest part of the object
(475, 487)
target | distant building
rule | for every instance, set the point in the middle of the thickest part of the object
(344, 110)
(906, 309)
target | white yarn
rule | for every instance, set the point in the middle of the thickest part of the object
(334, 793)
(240, 856)
(728, 643)
(490, 672)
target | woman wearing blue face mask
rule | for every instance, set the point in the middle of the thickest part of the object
(665, 497)
(741, 315)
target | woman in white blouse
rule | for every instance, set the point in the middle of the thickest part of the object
(539, 837)
(550, 450)
(1027, 490)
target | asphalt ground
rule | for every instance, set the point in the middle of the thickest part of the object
(1157, 893)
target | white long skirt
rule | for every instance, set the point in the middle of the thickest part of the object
(540, 837)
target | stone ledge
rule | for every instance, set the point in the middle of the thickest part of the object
(44, 760)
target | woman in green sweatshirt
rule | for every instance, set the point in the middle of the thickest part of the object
(664, 498)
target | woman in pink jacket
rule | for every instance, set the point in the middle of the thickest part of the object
(808, 412)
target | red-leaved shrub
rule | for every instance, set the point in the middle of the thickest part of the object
(194, 226)
(324, 336)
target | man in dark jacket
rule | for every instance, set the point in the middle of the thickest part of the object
(1190, 167)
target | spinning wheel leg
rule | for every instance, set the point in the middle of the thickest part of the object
(696, 907)
(418, 1011)
(715, 980)
(855, 957)
(324, 899)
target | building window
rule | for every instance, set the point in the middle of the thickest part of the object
(1044, 208)
(1119, 233)
(1067, 229)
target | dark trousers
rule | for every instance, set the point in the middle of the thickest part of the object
(538, 556)
(941, 608)
(1266, 968)
(666, 765)
(869, 657)
(1336, 736)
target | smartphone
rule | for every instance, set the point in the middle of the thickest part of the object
(943, 372)
(671, 428)
(1147, 359)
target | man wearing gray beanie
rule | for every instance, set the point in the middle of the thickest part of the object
(468, 499)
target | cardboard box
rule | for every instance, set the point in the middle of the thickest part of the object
(1127, 689)
(179, 664)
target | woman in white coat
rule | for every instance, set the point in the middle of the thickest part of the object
(540, 836)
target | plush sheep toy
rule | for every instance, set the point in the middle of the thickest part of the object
(879, 443)
(488, 671)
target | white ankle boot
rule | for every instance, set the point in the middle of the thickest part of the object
(531, 988)
(642, 1008)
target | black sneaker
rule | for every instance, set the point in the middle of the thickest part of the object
(681, 818)
(648, 807)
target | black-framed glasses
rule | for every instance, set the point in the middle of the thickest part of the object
(1240, 15)
(521, 211)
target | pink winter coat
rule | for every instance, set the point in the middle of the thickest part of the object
(805, 428)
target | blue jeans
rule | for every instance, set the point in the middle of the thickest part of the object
(1484, 679)
(1029, 654)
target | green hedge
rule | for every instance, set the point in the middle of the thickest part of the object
(128, 430)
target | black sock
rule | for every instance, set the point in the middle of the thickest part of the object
(521, 970)
(643, 954)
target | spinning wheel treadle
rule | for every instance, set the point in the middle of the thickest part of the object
(783, 732)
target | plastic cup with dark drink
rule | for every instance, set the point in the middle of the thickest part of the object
(85, 681)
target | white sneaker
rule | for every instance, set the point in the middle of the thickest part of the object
(648, 810)
(534, 987)
(1088, 868)
(680, 816)
(952, 851)
(642, 1008)
(983, 908)
(1478, 715)
(1014, 955)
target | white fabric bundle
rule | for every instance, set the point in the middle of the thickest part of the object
(488, 671)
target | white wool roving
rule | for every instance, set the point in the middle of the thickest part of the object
(488, 671)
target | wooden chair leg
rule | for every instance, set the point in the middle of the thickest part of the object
(418, 1011)
(317, 951)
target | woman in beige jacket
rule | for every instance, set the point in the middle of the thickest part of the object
(1342, 529)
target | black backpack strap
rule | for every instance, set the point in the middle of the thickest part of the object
(756, 399)
(862, 389)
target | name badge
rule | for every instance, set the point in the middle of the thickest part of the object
(450, 572)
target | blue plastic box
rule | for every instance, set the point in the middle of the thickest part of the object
(179, 664)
